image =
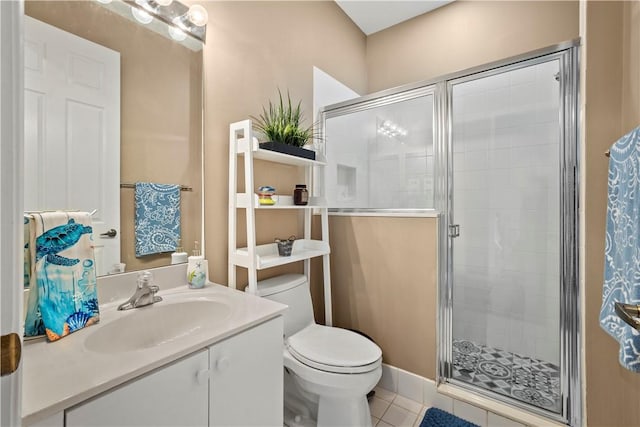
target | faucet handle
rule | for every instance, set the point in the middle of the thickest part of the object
(145, 279)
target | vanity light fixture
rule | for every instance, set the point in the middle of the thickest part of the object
(185, 20)
(176, 33)
(195, 17)
(105, 1)
(141, 15)
(198, 15)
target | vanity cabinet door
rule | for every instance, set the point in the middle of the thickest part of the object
(247, 377)
(176, 395)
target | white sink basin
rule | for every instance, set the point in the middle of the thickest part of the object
(157, 324)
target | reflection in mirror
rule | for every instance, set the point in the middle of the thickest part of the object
(108, 103)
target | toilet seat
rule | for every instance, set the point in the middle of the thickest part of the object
(334, 350)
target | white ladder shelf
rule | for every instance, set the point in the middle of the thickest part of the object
(257, 257)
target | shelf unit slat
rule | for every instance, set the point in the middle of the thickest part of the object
(283, 202)
(267, 255)
(274, 156)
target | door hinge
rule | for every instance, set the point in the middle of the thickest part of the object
(454, 230)
(10, 353)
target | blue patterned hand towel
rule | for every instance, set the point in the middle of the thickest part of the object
(157, 218)
(63, 296)
(622, 246)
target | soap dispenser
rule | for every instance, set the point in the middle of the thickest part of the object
(179, 256)
(197, 269)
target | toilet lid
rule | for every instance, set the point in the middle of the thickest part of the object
(334, 349)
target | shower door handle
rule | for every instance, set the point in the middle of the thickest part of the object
(454, 230)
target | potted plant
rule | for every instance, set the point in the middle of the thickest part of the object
(281, 125)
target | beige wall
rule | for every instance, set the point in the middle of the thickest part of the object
(384, 276)
(465, 34)
(631, 66)
(161, 102)
(612, 98)
(254, 48)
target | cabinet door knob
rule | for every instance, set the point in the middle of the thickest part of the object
(222, 363)
(202, 376)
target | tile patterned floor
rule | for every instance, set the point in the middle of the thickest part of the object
(523, 378)
(391, 410)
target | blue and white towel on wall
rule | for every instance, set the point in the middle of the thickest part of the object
(63, 296)
(622, 246)
(157, 226)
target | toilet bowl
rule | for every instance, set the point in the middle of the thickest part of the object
(328, 371)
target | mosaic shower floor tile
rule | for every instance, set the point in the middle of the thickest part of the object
(523, 378)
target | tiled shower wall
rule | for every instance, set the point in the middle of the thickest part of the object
(369, 169)
(506, 200)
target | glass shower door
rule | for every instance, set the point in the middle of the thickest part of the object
(505, 209)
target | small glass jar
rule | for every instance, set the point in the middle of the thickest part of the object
(300, 195)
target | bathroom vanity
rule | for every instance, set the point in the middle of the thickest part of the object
(199, 357)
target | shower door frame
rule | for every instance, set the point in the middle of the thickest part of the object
(570, 363)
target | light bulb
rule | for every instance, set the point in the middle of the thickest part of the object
(164, 2)
(176, 33)
(104, 1)
(198, 15)
(141, 16)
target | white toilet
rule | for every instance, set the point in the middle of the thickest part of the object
(328, 371)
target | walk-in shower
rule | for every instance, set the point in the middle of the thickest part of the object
(499, 165)
(505, 209)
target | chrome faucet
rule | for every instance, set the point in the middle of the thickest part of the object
(145, 293)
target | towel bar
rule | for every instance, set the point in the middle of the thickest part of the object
(630, 314)
(31, 213)
(182, 187)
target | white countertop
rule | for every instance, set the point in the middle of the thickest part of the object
(60, 374)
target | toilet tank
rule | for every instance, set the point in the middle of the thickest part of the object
(292, 290)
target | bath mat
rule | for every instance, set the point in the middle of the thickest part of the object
(435, 417)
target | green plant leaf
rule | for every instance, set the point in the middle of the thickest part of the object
(282, 122)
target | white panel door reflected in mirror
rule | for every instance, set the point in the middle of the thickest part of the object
(72, 131)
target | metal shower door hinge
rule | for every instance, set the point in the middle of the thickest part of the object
(11, 348)
(454, 230)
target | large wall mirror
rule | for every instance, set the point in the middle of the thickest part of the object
(110, 102)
